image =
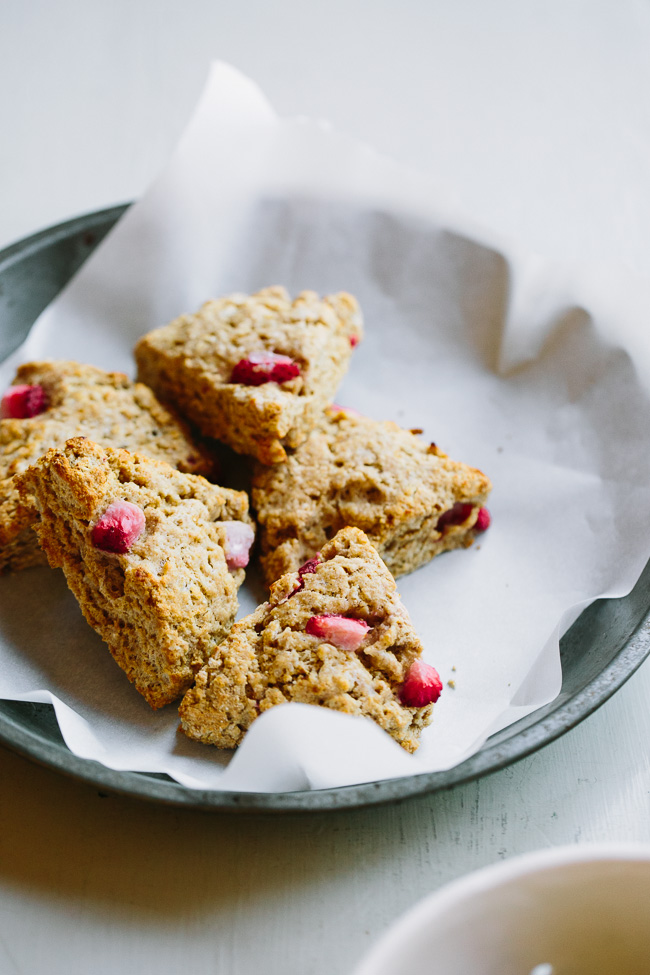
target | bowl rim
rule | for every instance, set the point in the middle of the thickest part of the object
(488, 878)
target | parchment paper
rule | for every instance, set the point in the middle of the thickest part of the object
(537, 374)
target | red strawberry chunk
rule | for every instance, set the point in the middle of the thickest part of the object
(310, 565)
(239, 538)
(342, 631)
(119, 527)
(421, 687)
(21, 402)
(354, 341)
(264, 367)
(456, 515)
(483, 520)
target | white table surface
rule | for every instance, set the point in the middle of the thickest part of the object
(535, 118)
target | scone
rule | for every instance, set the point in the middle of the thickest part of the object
(154, 557)
(335, 634)
(254, 371)
(50, 402)
(410, 499)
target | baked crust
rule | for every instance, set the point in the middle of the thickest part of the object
(375, 476)
(82, 400)
(268, 657)
(190, 361)
(163, 605)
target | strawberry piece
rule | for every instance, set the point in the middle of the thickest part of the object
(354, 341)
(347, 410)
(456, 515)
(421, 687)
(239, 538)
(309, 566)
(119, 527)
(344, 632)
(483, 520)
(264, 367)
(21, 402)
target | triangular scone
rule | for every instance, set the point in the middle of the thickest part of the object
(162, 599)
(255, 371)
(77, 400)
(335, 634)
(411, 500)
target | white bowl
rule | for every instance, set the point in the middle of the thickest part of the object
(566, 911)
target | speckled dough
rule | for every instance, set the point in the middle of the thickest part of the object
(269, 659)
(189, 363)
(376, 476)
(82, 400)
(164, 605)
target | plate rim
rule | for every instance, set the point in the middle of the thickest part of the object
(492, 757)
